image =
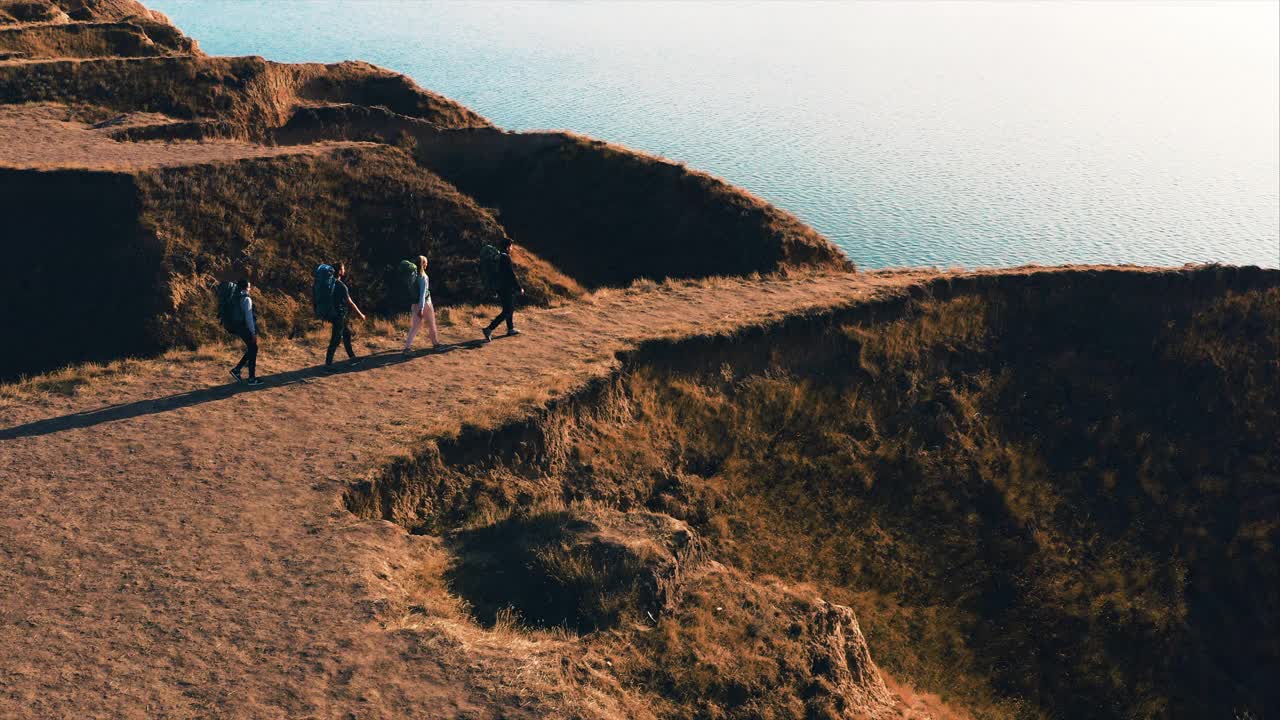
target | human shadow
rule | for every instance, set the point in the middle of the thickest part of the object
(124, 411)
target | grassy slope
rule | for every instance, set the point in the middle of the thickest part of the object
(1040, 501)
(607, 215)
(1078, 517)
(277, 219)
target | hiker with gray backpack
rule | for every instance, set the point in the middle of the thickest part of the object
(416, 286)
(499, 276)
(235, 312)
(333, 303)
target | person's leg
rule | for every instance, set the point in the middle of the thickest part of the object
(497, 321)
(431, 324)
(346, 341)
(251, 352)
(244, 357)
(509, 309)
(335, 337)
(415, 322)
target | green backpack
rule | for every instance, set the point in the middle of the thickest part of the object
(406, 277)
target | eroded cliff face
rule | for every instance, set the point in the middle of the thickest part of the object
(245, 166)
(1042, 495)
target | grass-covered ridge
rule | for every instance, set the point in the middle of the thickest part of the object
(1043, 496)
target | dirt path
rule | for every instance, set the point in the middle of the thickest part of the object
(173, 546)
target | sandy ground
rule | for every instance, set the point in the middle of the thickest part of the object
(43, 136)
(172, 545)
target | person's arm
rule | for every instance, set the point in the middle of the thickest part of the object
(246, 306)
(352, 304)
(423, 284)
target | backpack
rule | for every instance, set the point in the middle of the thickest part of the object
(491, 267)
(230, 312)
(406, 277)
(322, 292)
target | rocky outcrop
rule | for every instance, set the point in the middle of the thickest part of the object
(133, 38)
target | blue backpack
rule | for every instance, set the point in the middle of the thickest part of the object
(230, 313)
(322, 291)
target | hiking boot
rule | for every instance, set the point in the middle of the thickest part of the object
(488, 334)
(512, 331)
(255, 382)
(235, 373)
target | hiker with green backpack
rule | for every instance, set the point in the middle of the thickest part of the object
(500, 277)
(417, 287)
(235, 311)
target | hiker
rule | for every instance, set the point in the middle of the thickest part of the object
(342, 303)
(239, 318)
(422, 308)
(501, 277)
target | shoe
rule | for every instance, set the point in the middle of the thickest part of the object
(235, 373)
(488, 334)
(512, 331)
(254, 382)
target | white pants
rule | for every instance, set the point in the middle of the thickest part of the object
(415, 322)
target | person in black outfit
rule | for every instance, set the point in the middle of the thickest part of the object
(508, 287)
(248, 333)
(343, 305)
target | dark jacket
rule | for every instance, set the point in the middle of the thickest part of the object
(340, 297)
(507, 281)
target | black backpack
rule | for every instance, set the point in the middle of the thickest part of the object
(491, 267)
(322, 292)
(230, 311)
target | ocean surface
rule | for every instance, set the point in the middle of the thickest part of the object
(931, 133)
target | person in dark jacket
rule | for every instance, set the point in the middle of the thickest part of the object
(249, 334)
(508, 288)
(343, 306)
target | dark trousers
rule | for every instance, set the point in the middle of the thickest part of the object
(508, 312)
(250, 357)
(341, 334)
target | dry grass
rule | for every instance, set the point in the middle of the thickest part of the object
(606, 215)
(135, 38)
(1005, 509)
(251, 94)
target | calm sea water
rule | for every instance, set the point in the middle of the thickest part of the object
(938, 133)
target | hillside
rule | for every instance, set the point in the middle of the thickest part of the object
(185, 169)
(721, 474)
(670, 514)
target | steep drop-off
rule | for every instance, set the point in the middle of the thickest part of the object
(1048, 495)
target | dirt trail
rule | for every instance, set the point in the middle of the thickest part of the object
(172, 546)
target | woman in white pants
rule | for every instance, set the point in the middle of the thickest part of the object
(422, 309)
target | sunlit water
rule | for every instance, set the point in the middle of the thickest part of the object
(910, 134)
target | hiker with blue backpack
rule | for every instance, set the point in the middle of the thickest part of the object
(333, 303)
(500, 276)
(418, 288)
(235, 311)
